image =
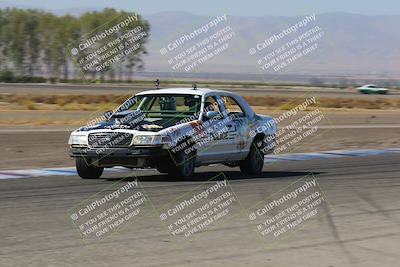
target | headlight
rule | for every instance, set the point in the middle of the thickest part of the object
(151, 140)
(77, 140)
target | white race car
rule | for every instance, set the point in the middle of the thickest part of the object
(175, 130)
(372, 89)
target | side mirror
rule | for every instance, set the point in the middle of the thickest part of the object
(211, 114)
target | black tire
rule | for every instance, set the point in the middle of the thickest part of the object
(163, 167)
(87, 171)
(183, 164)
(254, 162)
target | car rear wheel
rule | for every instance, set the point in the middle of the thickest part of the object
(254, 162)
(86, 170)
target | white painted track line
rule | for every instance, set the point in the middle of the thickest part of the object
(70, 171)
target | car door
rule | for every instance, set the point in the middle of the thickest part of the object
(214, 146)
(238, 125)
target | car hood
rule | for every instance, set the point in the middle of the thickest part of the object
(135, 121)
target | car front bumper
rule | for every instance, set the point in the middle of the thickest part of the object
(143, 156)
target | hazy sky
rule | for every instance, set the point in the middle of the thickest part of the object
(232, 7)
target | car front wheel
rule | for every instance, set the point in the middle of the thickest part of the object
(183, 164)
(86, 170)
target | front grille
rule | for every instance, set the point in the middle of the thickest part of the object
(109, 140)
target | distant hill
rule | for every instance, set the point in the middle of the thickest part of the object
(353, 44)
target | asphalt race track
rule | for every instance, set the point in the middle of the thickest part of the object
(362, 228)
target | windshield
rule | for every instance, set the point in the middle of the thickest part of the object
(181, 106)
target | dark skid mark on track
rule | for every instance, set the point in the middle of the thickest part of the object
(336, 235)
(205, 176)
(379, 252)
(366, 197)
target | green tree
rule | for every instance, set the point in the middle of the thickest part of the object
(33, 42)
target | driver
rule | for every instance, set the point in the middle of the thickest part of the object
(209, 106)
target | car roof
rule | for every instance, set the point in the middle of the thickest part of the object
(183, 91)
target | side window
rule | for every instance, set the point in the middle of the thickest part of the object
(232, 107)
(211, 104)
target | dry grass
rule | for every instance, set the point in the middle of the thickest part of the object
(63, 102)
(351, 103)
(27, 103)
(286, 103)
